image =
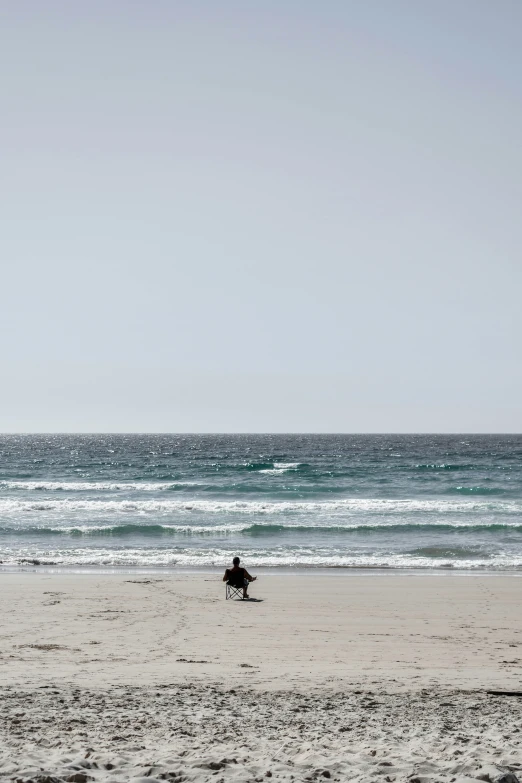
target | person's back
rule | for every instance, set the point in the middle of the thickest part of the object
(238, 577)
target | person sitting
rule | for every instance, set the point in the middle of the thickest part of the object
(238, 577)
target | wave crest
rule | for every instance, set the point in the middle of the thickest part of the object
(96, 486)
(350, 506)
(255, 530)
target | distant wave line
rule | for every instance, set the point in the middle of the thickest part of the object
(346, 506)
(446, 466)
(97, 486)
(250, 530)
(166, 486)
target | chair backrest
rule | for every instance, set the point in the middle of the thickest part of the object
(236, 578)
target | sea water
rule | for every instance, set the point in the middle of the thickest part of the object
(372, 501)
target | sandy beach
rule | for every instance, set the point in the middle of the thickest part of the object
(339, 676)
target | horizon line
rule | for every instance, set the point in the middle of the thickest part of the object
(234, 433)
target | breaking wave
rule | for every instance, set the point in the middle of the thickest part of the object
(351, 505)
(96, 486)
(253, 530)
(216, 558)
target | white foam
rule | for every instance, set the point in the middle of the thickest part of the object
(95, 486)
(281, 467)
(141, 529)
(219, 557)
(321, 510)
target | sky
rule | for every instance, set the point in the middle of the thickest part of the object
(261, 216)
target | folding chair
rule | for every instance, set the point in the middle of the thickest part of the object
(234, 592)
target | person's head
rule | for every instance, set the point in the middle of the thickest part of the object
(236, 561)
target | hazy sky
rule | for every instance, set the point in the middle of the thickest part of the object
(261, 215)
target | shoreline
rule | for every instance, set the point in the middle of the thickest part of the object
(297, 570)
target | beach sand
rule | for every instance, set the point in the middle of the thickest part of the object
(338, 676)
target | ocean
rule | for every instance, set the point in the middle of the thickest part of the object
(345, 501)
